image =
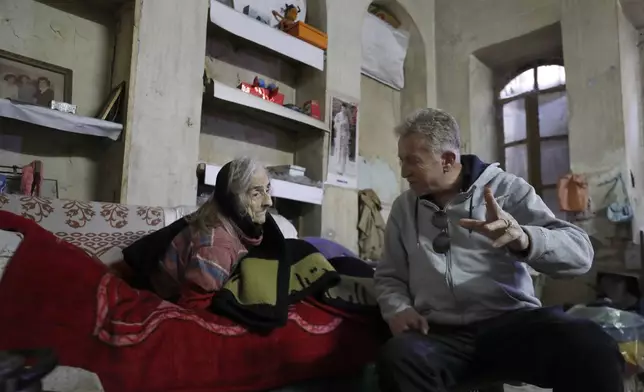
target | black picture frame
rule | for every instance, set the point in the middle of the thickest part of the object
(66, 73)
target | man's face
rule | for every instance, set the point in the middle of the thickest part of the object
(42, 85)
(419, 166)
(259, 197)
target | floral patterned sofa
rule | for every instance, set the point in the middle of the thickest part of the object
(101, 229)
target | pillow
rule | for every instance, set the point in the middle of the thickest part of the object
(171, 215)
(286, 227)
(9, 242)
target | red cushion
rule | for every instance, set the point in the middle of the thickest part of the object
(54, 295)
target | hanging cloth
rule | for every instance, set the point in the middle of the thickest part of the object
(619, 212)
(31, 179)
(371, 226)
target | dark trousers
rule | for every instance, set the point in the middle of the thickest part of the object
(543, 347)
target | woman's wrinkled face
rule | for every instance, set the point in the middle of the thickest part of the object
(259, 197)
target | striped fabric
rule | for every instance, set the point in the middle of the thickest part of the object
(199, 259)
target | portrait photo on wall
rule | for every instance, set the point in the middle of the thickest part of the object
(32, 81)
(343, 148)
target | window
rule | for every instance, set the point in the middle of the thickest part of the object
(534, 123)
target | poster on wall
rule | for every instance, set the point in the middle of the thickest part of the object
(343, 147)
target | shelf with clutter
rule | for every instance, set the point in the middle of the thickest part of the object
(61, 117)
(293, 38)
(265, 104)
(265, 95)
(287, 182)
(269, 52)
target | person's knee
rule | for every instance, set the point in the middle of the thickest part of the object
(588, 342)
(397, 350)
(415, 350)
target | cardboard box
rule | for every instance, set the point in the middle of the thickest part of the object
(309, 34)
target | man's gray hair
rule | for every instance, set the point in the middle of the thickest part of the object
(437, 126)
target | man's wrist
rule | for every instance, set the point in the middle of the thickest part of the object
(521, 246)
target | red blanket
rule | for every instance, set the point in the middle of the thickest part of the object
(54, 295)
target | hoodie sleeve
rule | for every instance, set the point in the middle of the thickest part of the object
(392, 272)
(557, 248)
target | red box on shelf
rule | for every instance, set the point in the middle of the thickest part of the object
(262, 92)
(312, 108)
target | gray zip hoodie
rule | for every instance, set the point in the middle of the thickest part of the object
(473, 281)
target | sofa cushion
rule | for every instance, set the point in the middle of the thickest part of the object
(100, 229)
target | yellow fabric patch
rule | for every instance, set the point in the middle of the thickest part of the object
(255, 282)
(307, 271)
(355, 290)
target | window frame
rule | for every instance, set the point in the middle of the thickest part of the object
(533, 138)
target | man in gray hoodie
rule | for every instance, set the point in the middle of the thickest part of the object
(454, 285)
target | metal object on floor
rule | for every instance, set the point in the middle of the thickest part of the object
(24, 370)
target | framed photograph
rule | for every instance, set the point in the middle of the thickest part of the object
(32, 81)
(110, 109)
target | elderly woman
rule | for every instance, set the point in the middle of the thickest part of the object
(206, 245)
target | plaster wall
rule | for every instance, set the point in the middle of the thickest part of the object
(380, 107)
(38, 31)
(464, 27)
(223, 138)
(596, 56)
(632, 116)
(164, 102)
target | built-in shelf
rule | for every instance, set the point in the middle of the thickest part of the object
(262, 34)
(45, 117)
(267, 111)
(279, 188)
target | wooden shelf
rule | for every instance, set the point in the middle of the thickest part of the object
(264, 35)
(49, 118)
(279, 188)
(261, 109)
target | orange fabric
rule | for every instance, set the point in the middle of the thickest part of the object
(572, 192)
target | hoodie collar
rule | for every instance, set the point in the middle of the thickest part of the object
(471, 169)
